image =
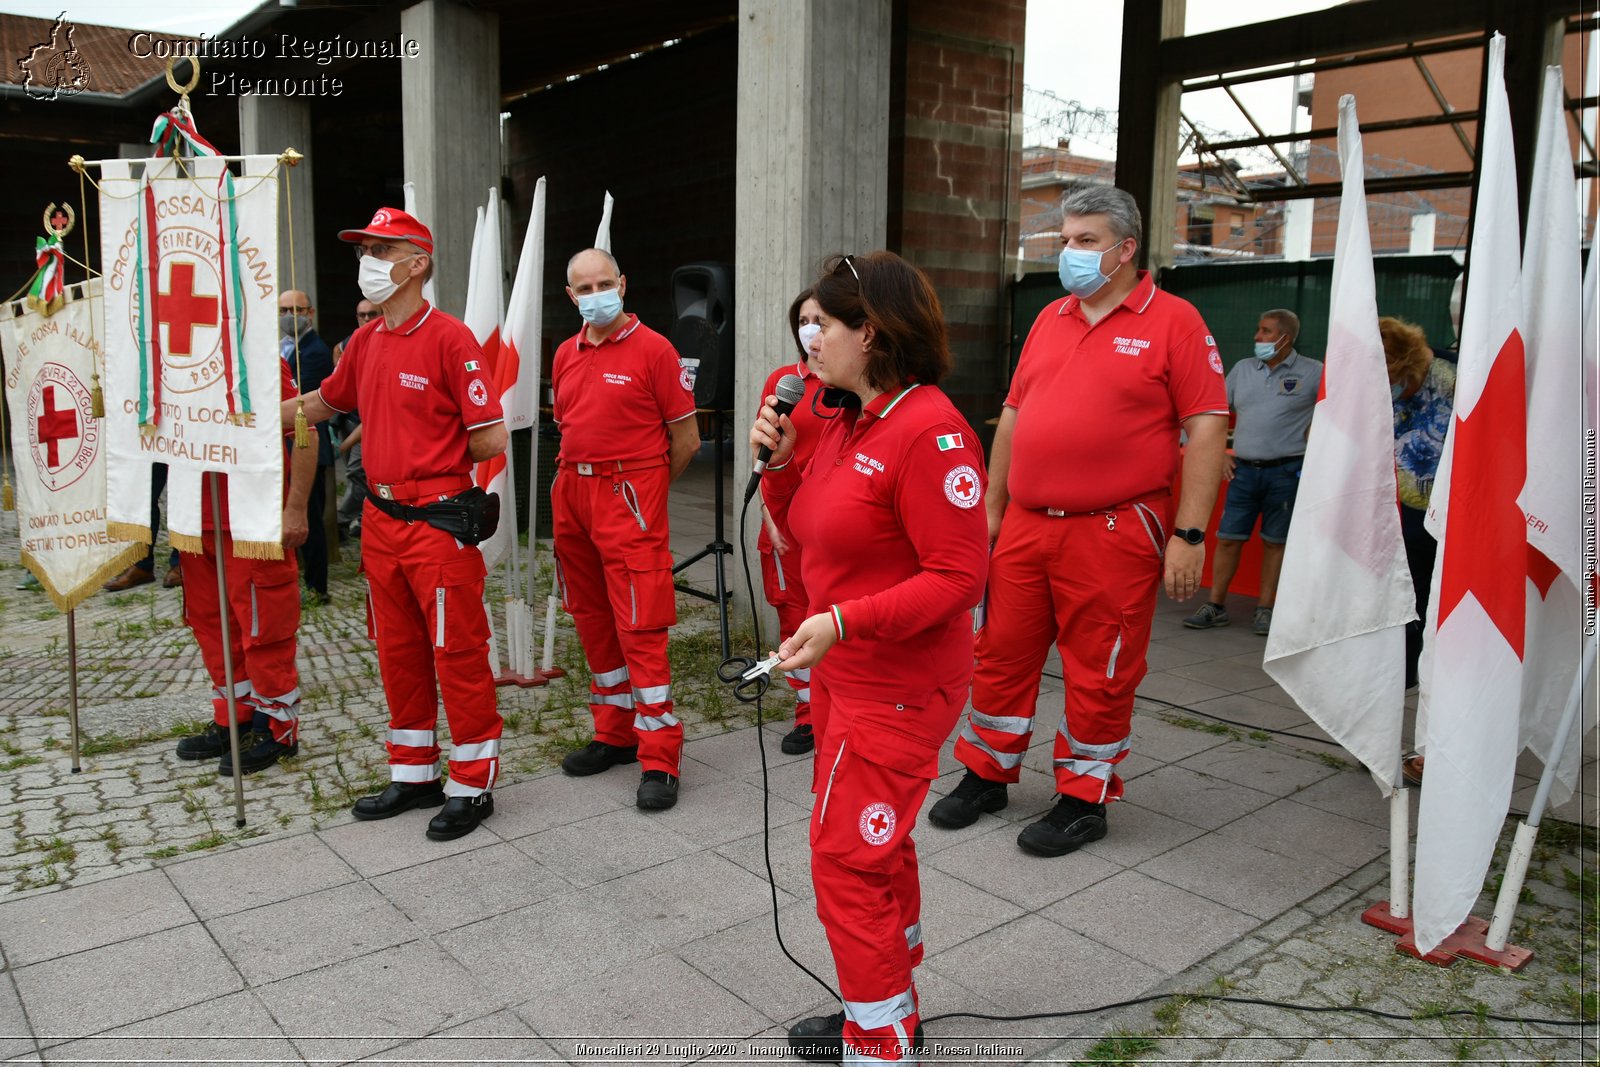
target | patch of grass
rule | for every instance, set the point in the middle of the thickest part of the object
(166, 852)
(57, 851)
(211, 840)
(1431, 1009)
(1568, 836)
(1119, 1047)
(1259, 735)
(111, 838)
(53, 713)
(1338, 763)
(1205, 726)
(20, 761)
(1170, 1014)
(107, 743)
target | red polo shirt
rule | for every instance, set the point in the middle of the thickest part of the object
(893, 536)
(1099, 407)
(613, 400)
(421, 388)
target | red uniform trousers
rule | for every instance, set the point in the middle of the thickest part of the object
(870, 785)
(1088, 583)
(425, 592)
(780, 581)
(614, 564)
(263, 616)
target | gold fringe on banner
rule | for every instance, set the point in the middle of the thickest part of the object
(258, 549)
(112, 567)
(129, 531)
(8, 497)
(97, 398)
(186, 542)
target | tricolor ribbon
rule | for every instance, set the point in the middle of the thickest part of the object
(45, 292)
(175, 130)
(232, 299)
(147, 272)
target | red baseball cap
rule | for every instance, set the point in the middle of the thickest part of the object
(393, 224)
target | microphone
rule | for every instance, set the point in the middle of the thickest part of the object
(790, 390)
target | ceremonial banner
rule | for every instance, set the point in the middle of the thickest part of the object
(485, 314)
(190, 256)
(1338, 640)
(59, 447)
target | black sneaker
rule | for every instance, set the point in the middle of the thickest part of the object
(207, 744)
(820, 1039)
(258, 750)
(799, 740)
(1066, 827)
(658, 791)
(971, 797)
(598, 756)
(1209, 617)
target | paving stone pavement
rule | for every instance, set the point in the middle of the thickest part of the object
(138, 924)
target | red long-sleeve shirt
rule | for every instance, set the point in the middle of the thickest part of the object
(894, 542)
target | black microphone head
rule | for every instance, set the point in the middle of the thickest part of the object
(790, 390)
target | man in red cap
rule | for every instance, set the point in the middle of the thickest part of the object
(428, 413)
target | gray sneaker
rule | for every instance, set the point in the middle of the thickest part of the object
(1262, 621)
(1210, 615)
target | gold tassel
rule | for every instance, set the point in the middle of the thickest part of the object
(8, 497)
(147, 429)
(302, 428)
(97, 399)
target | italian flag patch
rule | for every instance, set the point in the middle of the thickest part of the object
(948, 441)
(472, 364)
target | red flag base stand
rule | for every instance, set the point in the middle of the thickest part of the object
(521, 681)
(537, 680)
(1467, 942)
(550, 673)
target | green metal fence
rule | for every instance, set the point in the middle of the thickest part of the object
(1231, 297)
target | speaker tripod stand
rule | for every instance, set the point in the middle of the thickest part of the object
(718, 548)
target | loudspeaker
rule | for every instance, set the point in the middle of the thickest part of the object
(702, 332)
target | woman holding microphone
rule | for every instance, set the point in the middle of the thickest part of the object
(888, 514)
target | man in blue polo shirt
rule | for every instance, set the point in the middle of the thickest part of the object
(1272, 397)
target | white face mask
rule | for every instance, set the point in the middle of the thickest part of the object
(806, 333)
(373, 278)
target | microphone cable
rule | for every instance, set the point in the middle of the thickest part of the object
(731, 671)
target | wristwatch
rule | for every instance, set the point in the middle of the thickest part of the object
(1192, 534)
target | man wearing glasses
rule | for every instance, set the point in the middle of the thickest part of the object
(428, 413)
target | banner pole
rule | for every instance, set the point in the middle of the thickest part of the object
(1400, 853)
(72, 684)
(1505, 905)
(227, 655)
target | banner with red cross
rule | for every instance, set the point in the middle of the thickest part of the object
(190, 254)
(59, 446)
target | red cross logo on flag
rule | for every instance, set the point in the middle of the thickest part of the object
(63, 437)
(877, 823)
(962, 487)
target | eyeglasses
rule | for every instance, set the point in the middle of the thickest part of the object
(852, 266)
(389, 252)
(298, 309)
(366, 316)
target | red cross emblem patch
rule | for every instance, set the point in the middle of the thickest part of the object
(877, 823)
(61, 432)
(477, 393)
(962, 487)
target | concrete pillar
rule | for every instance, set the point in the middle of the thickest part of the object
(811, 172)
(450, 112)
(268, 125)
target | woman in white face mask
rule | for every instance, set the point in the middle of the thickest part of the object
(780, 563)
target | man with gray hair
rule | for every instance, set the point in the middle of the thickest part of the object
(1079, 499)
(622, 400)
(1272, 396)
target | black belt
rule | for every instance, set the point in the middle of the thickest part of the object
(1259, 463)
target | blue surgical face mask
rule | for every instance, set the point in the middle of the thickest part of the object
(1266, 349)
(600, 309)
(1079, 269)
(1396, 389)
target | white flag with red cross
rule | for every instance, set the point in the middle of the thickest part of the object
(58, 445)
(1473, 689)
(190, 254)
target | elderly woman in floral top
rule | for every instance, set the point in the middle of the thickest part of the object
(1424, 389)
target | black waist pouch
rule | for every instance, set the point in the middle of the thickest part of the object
(470, 517)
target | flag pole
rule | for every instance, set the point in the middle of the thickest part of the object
(227, 654)
(1505, 906)
(72, 684)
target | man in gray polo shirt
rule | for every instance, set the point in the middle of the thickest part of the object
(1272, 396)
